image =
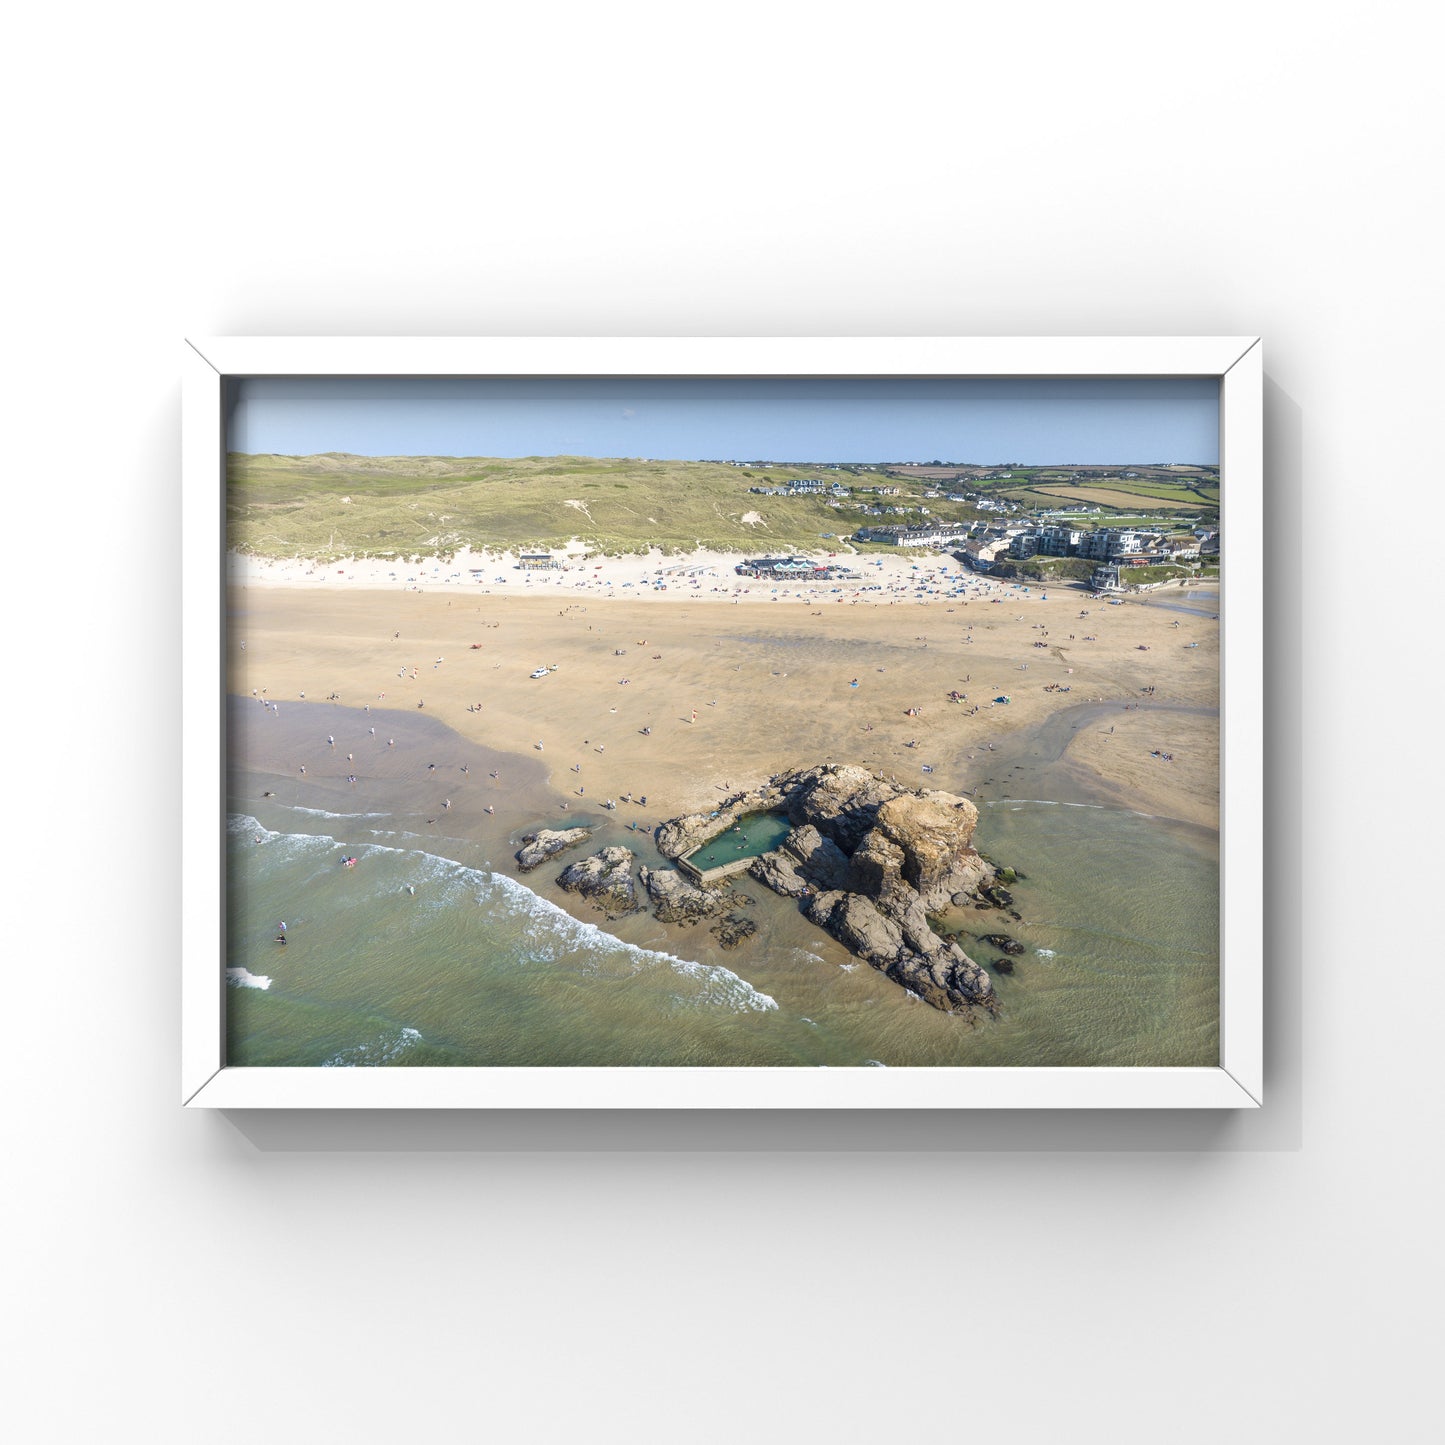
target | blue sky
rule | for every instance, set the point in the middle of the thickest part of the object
(895, 419)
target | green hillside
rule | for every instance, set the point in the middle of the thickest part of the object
(338, 505)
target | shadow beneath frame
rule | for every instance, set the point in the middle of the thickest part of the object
(1276, 1127)
(732, 1131)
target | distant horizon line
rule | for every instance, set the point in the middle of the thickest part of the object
(723, 461)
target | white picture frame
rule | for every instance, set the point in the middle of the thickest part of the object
(1237, 1081)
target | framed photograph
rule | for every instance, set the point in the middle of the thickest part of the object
(723, 723)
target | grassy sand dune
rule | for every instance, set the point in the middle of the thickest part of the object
(351, 506)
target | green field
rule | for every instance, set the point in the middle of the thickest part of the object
(1155, 489)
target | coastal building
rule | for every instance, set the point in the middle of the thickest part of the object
(1107, 543)
(1106, 579)
(791, 568)
(1057, 541)
(538, 562)
(939, 534)
(981, 555)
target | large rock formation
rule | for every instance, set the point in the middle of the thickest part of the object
(605, 879)
(547, 843)
(874, 860)
(841, 802)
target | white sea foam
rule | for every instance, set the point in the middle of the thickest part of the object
(1045, 953)
(721, 985)
(322, 813)
(243, 978)
(383, 1049)
(875, 1064)
(1017, 805)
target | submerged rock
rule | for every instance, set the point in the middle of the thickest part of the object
(1003, 943)
(605, 880)
(732, 929)
(546, 843)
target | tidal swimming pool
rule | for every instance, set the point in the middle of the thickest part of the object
(752, 835)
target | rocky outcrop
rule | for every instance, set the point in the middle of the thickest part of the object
(676, 899)
(934, 831)
(874, 860)
(939, 972)
(605, 880)
(547, 843)
(779, 872)
(805, 859)
(840, 802)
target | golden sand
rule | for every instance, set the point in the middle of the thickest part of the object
(734, 693)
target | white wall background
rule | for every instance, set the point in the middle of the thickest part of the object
(749, 168)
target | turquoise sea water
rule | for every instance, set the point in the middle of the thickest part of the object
(428, 951)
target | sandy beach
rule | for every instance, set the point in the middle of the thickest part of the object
(678, 696)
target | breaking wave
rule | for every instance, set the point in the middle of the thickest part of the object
(244, 978)
(385, 1048)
